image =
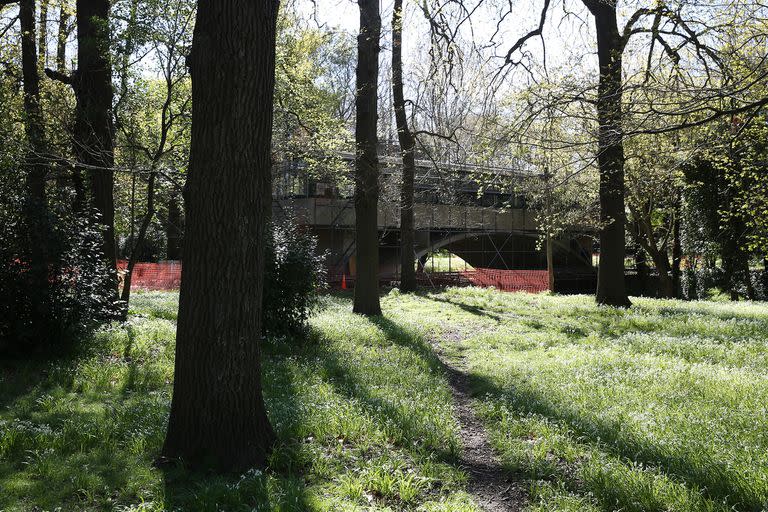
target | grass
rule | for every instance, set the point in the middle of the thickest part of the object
(443, 261)
(361, 409)
(660, 407)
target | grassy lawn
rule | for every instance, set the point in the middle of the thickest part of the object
(662, 407)
(361, 408)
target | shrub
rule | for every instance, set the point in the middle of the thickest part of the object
(293, 276)
(34, 317)
(706, 282)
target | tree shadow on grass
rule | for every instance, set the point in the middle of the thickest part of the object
(282, 486)
(603, 321)
(186, 490)
(469, 308)
(18, 378)
(714, 481)
(55, 458)
(414, 434)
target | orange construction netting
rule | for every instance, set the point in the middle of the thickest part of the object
(533, 281)
(166, 275)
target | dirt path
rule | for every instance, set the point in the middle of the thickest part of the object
(488, 484)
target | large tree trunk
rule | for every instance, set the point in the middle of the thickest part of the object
(33, 117)
(94, 130)
(367, 161)
(35, 204)
(407, 148)
(218, 417)
(611, 289)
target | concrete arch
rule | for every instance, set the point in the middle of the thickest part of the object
(504, 251)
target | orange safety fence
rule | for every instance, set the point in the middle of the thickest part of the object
(533, 281)
(165, 275)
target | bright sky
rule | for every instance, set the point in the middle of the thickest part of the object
(568, 37)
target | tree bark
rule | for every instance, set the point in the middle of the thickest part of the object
(94, 131)
(37, 170)
(42, 39)
(611, 289)
(367, 161)
(660, 256)
(218, 417)
(33, 126)
(666, 285)
(407, 149)
(61, 38)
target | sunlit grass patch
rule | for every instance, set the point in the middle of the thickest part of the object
(659, 407)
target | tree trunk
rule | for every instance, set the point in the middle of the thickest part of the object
(218, 417)
(33, 125)
(611, 289)
(137, 244)
(173, 227)
(367, 161)
(61, 39)
(407, 148)
(727, 256)
(660, 256)
(764, 279)
(549, 249)
(748, 278)
(42, 39)
(93, 130)
(677, 248)
(641, 262)
(35, 204)
(550, 265)
(666, 286)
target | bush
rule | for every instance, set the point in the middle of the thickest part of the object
(34, 317)
(706, 282)
(293, 277)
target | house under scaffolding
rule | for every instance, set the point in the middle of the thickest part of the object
(470, 211)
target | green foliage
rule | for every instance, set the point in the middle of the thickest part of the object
(293, 276)
(725, 182)
(34, 317)
(307, 126)
(750, 181)
(153, 106)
